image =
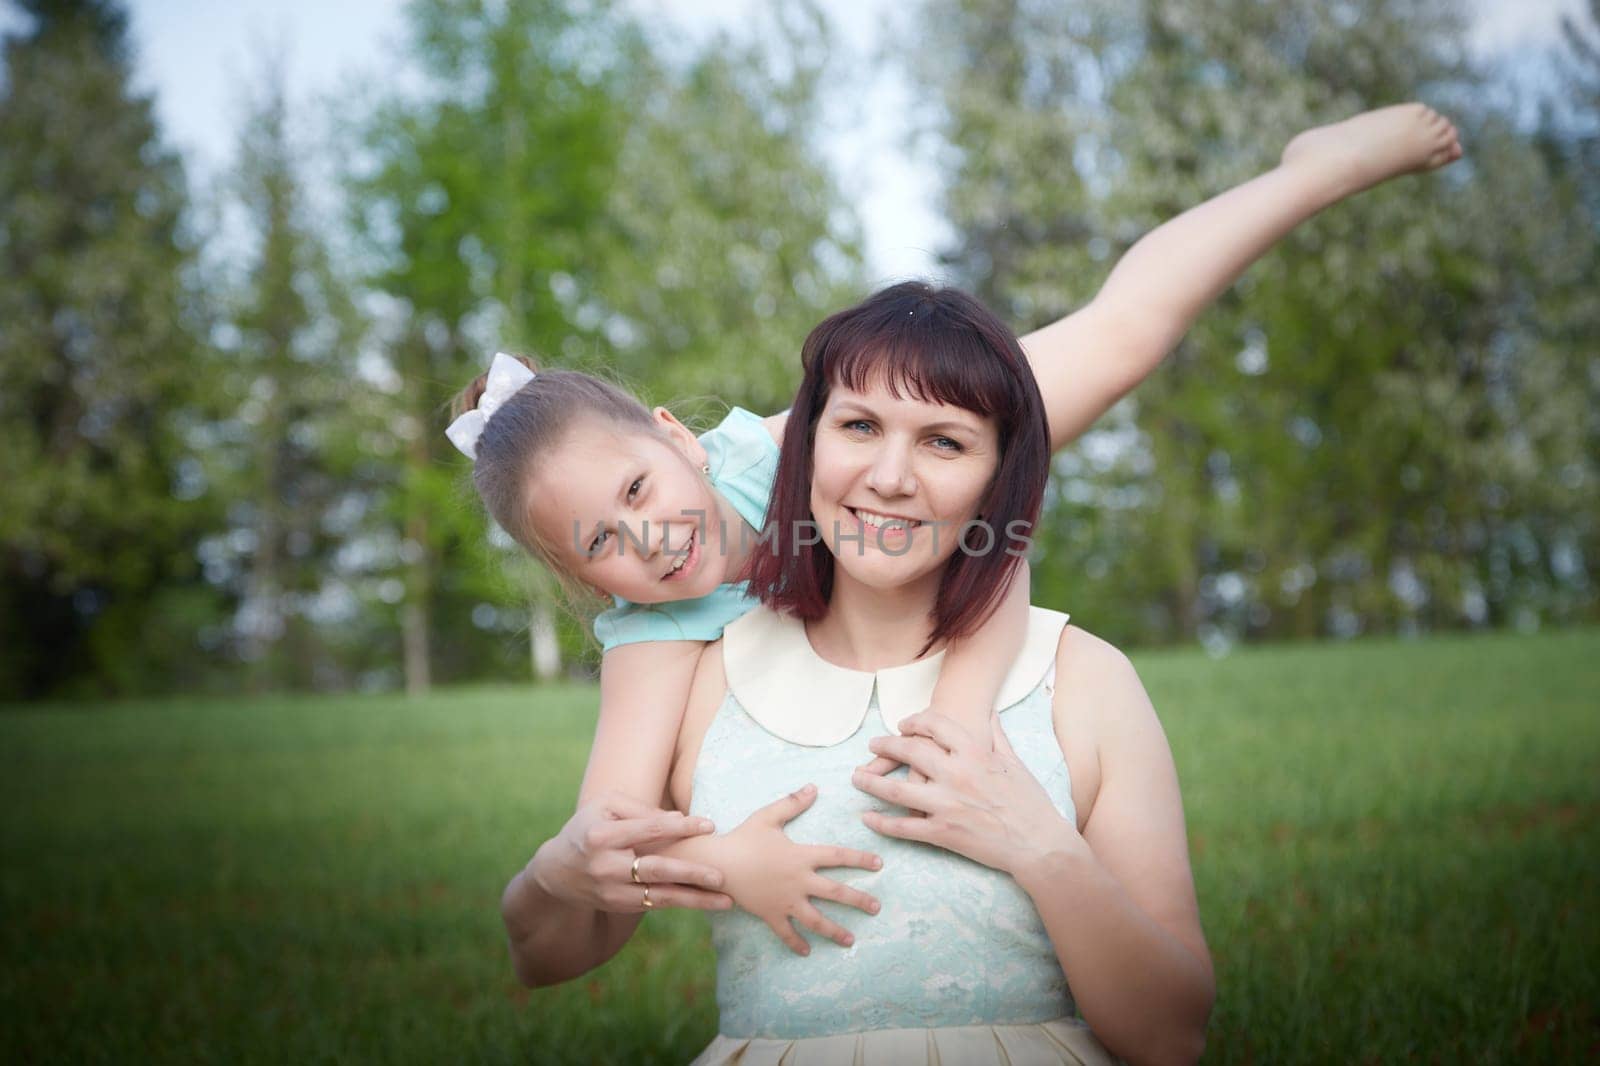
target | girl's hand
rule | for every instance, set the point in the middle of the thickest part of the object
(590, 863)
(979, 724)
(774, 878)
(975, 802)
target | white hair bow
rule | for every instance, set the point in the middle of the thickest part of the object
(506, 378)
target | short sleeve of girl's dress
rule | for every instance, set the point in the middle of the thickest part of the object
(744, 460)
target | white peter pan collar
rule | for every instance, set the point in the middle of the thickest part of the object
(798, 696)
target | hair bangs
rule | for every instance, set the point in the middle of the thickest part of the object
(932, 365)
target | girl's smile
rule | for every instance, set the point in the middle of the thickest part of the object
(688, 559)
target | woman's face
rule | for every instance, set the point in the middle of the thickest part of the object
(630, 514)
(894, 480)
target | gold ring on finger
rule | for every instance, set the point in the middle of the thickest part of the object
(635, 872)
(647, 903)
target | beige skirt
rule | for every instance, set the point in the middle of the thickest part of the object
(1065, 1040)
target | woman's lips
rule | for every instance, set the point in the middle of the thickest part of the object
(893, 526)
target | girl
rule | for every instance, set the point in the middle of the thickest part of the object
(567, 452)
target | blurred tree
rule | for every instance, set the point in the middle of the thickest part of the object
(1262, 477)
(1576, 115)
(100, 368)
(1014, 121)
(289, 452)
(1571, 130)
(480, 198)
(732, 237)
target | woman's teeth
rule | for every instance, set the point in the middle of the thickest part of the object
(883, 521)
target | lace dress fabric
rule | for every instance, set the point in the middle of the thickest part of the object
(956, 967)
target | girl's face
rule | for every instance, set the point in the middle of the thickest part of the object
(630, 513)
(894, 480)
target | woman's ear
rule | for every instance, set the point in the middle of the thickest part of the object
(680, 436)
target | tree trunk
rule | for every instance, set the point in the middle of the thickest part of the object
(415, 620)
(414, 629)
(542, 643)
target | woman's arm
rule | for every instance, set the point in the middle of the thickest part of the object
(1118, 900)
(575, 903)
(1120, 896)
(1088, 360)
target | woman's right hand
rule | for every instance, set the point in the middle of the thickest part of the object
(590, 863)
(776, 879)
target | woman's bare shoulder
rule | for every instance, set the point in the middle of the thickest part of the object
(1100, 698)
(1089, 673)
(1104, 719)
(1085, 661)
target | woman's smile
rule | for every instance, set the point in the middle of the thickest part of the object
(889, 527)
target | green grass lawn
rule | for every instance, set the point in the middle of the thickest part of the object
(1397, 849)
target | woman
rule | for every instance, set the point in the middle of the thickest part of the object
(1047, 874)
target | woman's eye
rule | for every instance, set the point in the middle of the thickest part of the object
(859, 425)
(633, 490)
(946, 444)
(599, 541)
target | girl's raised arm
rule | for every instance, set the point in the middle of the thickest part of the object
(975, 667)
(1088, 360)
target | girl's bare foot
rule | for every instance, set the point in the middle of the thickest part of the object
(1377, 145)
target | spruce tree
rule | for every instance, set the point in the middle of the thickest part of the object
(295, 410)
(101, 501)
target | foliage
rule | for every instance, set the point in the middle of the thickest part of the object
(737, 240)
(285, 447)
(1399, 835)
(560, 188)
(233, 465)
(101, 372)
(471, 195)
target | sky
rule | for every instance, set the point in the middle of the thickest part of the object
(196, 55)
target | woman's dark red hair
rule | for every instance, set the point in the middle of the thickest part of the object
(938, 345)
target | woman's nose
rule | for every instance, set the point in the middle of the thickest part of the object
(891, 473)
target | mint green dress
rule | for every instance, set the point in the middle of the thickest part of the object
(957, 966)
(744, 461)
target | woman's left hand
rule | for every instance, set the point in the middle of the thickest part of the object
(979, 803)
